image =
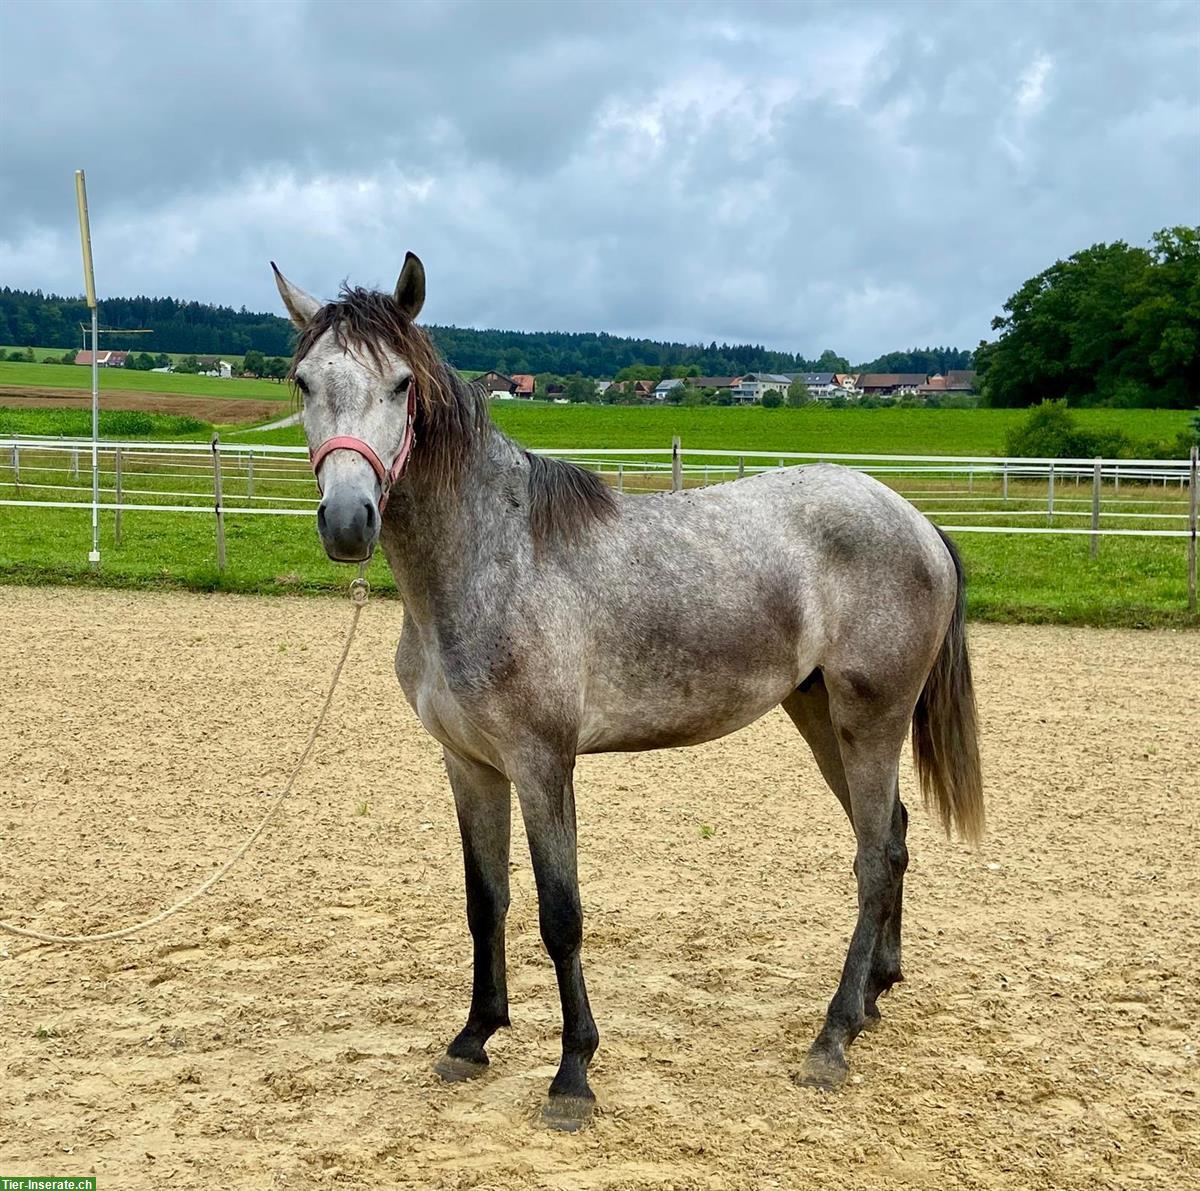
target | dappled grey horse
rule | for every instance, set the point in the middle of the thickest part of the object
(546, 616)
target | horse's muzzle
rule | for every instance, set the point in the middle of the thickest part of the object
(349, 526)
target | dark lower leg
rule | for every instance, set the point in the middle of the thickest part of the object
(885, 968)
(549, 810)
(482, 799)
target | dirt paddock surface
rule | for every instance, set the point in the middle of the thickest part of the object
(281, 1032)
(221, 410)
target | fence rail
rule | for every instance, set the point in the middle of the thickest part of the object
(236, 479)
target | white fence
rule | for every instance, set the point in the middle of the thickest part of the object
(1140, 498)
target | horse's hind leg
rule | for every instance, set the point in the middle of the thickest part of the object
(870, 731)
(809, 710)
(482, 798)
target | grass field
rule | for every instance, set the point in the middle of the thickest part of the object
(74, 376)
(841, 431)
(1033, 579)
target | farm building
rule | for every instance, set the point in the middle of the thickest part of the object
(890, 384)
(524, 385)
(497, 383)
(104, 359)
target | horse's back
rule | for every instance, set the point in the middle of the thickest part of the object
(708, 607)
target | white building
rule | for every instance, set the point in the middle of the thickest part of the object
(751, 387)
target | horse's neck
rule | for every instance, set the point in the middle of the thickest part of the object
(438, 537)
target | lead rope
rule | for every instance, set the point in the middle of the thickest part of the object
(359, 591)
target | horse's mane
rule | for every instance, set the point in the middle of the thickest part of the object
(452, 417)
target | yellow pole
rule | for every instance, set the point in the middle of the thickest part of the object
(89, 284)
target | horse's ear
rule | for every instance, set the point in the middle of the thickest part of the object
(410, 289)
(300, 306)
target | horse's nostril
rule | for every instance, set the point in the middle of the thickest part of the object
(321, 526)
(372, 515)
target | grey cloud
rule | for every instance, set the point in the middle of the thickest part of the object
(862, 177)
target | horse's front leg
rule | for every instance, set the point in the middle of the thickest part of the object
(481, 797)
(547, 798)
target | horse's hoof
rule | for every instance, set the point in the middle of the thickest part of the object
(821, 1071)
(568, 1114)
(455, 1070)
(871, 1018)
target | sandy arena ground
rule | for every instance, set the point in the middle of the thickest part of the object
(280, 1033)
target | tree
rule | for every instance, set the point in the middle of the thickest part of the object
(276, 368)
(254, 363)
(772, 399)
(798, 394)
(189, 365)
(579, 390)
(830, 361)
(1110, 325)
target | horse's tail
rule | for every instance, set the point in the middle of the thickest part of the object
(945, 732)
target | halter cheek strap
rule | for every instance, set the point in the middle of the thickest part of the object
(387, 476)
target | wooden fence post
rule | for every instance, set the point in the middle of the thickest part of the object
(1050, 496)
(1004, 477)
(620, 477)
(16, 468)
(1095, 539)
(75, 465)
(741, 467)
(676, 465)
(120, 496)
(1192, 475)
(216, 454)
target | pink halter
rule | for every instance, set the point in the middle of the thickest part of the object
(346, 442)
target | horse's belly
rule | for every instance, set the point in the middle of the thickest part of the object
(636, 721)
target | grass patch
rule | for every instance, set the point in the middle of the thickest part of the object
(74, 376)
(1134, 583)
(114, 423)
(813, 429)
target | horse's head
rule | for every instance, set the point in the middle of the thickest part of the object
(357, 370)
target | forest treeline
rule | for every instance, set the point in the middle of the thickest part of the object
(33, 319)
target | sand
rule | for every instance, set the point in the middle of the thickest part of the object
(281, 1032)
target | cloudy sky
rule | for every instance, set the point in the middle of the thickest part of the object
(863, 176)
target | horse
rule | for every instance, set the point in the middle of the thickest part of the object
(546, 616)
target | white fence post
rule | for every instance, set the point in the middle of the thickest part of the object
(249, 477)
(1192, 474)
(216, 454)
(676, 465)
(16, 468)
(1004, 477)
(1095, 539)
(75, 465)
(117, 466)
(1050, 496)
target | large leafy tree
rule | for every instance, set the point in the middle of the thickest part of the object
(1110, 325)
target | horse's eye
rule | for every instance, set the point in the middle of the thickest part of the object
(402, 388)
(301, 384)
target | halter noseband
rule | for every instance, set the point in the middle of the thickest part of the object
(345, 442)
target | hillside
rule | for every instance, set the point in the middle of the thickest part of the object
(31, 318)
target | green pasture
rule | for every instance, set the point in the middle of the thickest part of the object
(813, 428)
(1024, 578)
(76, 376)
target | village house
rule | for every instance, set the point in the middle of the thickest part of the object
(846, 381)
(751, 387)
(713, 382)
(890, 384)
(497, 384)
(956, 380)
(524, 385)
(104, 359)
(822, 385)
(211, 366)
(663, 389)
